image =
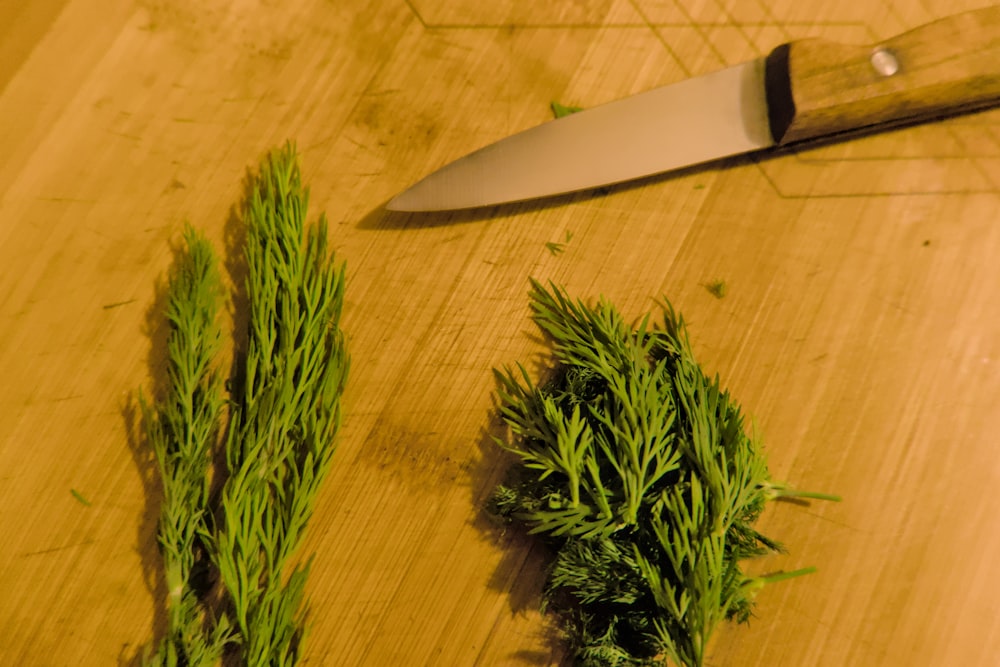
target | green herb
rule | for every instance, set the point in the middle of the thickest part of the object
(182, 429)
(79, 496)
(279, 438)
(636, 468)
(716, 288)
(560, 110)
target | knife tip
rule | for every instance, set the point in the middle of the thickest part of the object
(394, 205)
(405, 202)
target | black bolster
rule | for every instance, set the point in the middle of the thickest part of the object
(778, 92)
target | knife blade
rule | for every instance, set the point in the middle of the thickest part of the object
(802, 91)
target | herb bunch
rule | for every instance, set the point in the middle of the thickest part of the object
(284, 412)
(636, 467)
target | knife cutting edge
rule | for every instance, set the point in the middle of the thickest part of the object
(802, 91)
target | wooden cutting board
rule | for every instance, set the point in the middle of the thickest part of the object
(860, 327)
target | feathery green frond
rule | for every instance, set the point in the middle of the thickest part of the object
(636, 467)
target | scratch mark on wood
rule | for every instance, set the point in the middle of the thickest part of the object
(116, 304)
(42, 552)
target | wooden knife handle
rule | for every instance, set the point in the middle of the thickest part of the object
(817, 88)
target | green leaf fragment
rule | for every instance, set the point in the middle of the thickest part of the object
(560, 110)
(716, 288)
(80, 498)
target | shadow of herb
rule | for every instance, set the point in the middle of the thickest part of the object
(157, 329)
(522, 570)
(234, 263)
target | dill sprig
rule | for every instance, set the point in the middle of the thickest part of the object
(281, 438)
(284, 412)
(637, 468)
(182, 428)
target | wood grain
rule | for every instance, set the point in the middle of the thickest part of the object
(860, 327)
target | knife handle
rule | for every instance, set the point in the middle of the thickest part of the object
(816, 88)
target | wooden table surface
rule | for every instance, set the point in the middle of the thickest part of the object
(860, 328)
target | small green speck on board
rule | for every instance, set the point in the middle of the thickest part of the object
(79, 496)
(717, 288)
(560, 110)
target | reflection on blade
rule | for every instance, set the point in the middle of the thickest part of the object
(679, 125)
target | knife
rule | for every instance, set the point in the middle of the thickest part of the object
(805, 90)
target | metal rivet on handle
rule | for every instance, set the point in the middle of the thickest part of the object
(884, 61)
